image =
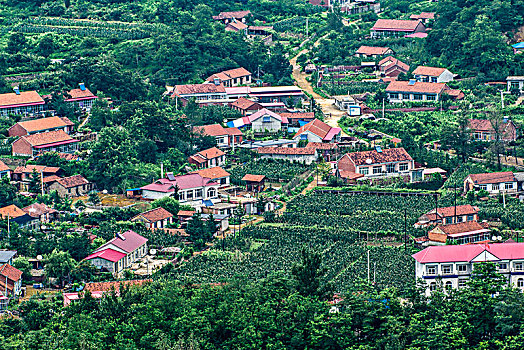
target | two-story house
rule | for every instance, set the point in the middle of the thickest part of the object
(450, 266)
(262, 121)
(459, 233)
(208, 93)
(232, 77)
(494, 183)
(51, 141)
(433, 74)
(225, 137)
(10, 280)
(378, 163)
(318, 131)
(416, 91)
(396, 28)
(21, 103)
(483, 130)
(36, 126)
(449, 215)
(208, 158)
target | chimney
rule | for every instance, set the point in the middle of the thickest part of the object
(17, 90)
(82, 86)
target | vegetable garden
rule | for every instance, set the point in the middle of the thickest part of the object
(275, 171)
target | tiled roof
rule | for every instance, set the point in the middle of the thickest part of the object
(461, 227)
(10, 272)
(395, 25)
(417, 87)
(107, 254)
(210, 130)
(42, 124)
(36, 209)
(49, 179)
(72, 181)
(243, 103)
(423, 15)
(191, 89)
(211, 153)
(108, 286)
(47, 137)
(185, 213)
(265, 112)
(373, 157)
(131, 242)
(322, 145)
(232, 14)
(350, 175)
(485, 125)
(466, 253)
(429, 71)
(372, 50)
(4, 167)
(80, 94)
(12, 211)
(154, 215)
(298, 115)
(316, 127)
(213, 173)
(253, 178)
(465, 209)
(391, 61)
(187, 181)
(25, 97)
(286, 151)
(233, 131)
(230, 74)
(237, 25)
(28, 169)
(492, 178)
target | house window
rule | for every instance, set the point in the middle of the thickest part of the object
(390, 168)
(518, 266)
(462, 268)
(417, 97)
(211, 193)
(433, 79)
(495, 187)
(266, 119)
(431, 270)
(189, 194)
(403, 166)
(198, 193)
(303, 137)
(447, 269)
(483, 187)
(405, 96)
(431, 97)
(459, 218)
(377, 170)
(471, 217)
(393, 96)
(520, 282)
(514, 85)
(364, 171)
(508, 185)
(425, 79)
(503, 266)
(462, 282)
(433, 286)
(448, 285)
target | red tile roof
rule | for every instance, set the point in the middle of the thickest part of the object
(480, 125)
(185, 213)
(466, 253)
(46, 138)
(350, 175)
(230, 74)
(10, 272)
(429, 71)
(461, 227)
(210, 130)
(107, 254)
(372, 50)
(237, 26)
(154, 215)
(492, 178)
(286, 151)
(72, 181)
(373, 157)
(80, 94)
(28, 169)
(417, 87)
(213, 173)
(108, 286)
(12, 211)
(131, 242)
(243, 103)
(423, 15)
(393, 62)
(266, 112)
(232, 14)
(299, 115)
(43, 124)
(193, 89)
(25, 98)
(316, 127)
(35, 210)
(253, 178)
(211, 153)
(233, 131)
(322, 146)
(4, 167)
(49, 179)
(395, 25)
(465, 209)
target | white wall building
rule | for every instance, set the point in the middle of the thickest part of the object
(433, 74)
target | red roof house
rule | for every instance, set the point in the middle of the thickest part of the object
(318, 131)
(483, 130)
(232, 77)
(373, 51)
(154, 218)
(225, 137)
(396, 28)
(51, 141)
(41, 125)
(10, 279)
(21, 102)
(208, 158)
(494, 183)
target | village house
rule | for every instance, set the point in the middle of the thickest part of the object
(450, 266)
(232, 77)
(253, 145)
(373, 51)
(459, 233)
(327, 151)
(433, 74)
(297, 119)
(254, 183)
(262, 121)
(300, 155)
(98, 289)
(5, 171)
(81, 98)
(392, 67)
(483, 130)
(235, 26)
(10, 280)
(349, 104)
(154, 218)
(449, 215)
(402, 91)
(215, 174)
(227, 17)
(120, 252)
(396, 28)
(318, 131)
(7, 256)
(516, 83)
(36, 126)
(21, 102)
(246, 107)
(225, 137)
(270, 94)
(494, 183)
(208, 93)
(41, 212)
(192, 189)
(379, 163)
(256, 31)
(72, 186)
(18, 216)
(51, 141)
(24, 174)
(425, 17)
(208, 158)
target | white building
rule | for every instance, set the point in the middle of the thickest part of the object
(433, 74)
(494, 183)
(304, 155)
(416, 91)
(451, 266)
(516, 82)
(318, 131)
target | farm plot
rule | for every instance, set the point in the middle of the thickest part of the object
(274, 170)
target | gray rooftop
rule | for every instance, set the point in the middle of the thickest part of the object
(6, 255)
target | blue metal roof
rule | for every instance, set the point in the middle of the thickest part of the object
(518, 45)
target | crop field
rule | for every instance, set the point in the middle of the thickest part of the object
(274, 170)
(336, 225)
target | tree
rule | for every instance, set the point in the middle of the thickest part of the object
(168, 203)
(16, 43)
(58, 265)
(211, 225)
(46, 45)
(497, 143)
(94, 199)
(457, 137)
(25, 266)
(35, 185)
(8, 192)
(198, 232)
(309, 275)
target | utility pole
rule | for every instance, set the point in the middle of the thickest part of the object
(502, 98)
(307, 27)
(42, 181)
(8, 226)
(368, 267)
(383, 107)
(405, 229)
(374, 273)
